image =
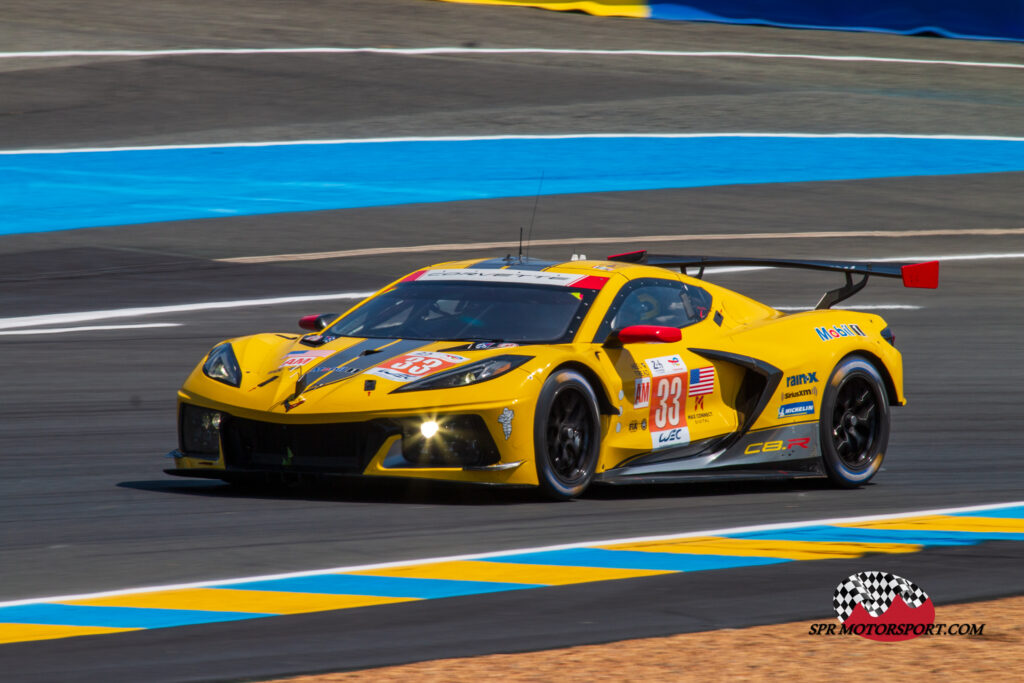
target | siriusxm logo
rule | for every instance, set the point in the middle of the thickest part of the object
(792, 409)
(838, 331)
(806, 378)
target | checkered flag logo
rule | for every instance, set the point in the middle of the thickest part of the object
(875, 591)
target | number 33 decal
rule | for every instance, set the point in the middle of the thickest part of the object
(417, 365)
(668, 394)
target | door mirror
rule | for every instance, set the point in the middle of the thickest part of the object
(639, 334)
(316, 323)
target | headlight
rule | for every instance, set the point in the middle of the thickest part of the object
(222, 366)
(199, 431)
(474, 373)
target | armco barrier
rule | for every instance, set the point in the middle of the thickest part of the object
(975, 19)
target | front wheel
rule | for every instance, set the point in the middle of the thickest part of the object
(567, 435)
(854, 422)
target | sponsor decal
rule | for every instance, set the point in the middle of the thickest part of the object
(634, 425)
(700, 418)
(369, 385)
(506, 421)
(787, 395)
(507, 345)
(665, 365)
(777, 445)
(603, 267)
(702, 381)
(641, 392)
(800, 408)
(698, 403)
(838, 331)
(668, 406)
(296, 359)
(530, 277)
(805, 378)
(670, 437)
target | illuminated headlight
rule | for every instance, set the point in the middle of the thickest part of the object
(428, 429)
(474, 373)
(222, 366)
(200, 430)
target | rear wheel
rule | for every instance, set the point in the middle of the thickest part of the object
(854, 422)
(567, 435)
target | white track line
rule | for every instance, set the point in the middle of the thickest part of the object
(86, 316)
(420, 51)
(474, 138)
(630, 239)
(503, 553)
(89, 328)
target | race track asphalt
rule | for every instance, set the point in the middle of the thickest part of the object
(84, 505)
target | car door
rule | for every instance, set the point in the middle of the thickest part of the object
(672, 397)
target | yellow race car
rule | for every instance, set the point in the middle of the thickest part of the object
(533, 373)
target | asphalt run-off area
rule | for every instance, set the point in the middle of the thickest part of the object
(169, 184)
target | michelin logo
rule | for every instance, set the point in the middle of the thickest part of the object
(793, 409)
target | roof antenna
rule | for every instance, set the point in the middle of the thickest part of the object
(520, 244)
(536, 199)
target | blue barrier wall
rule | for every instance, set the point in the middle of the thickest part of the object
(60, 191)
(985, 19)
(978, 19)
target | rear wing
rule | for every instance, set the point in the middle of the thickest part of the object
(924, 275)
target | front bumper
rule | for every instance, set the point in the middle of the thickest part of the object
(466, 448)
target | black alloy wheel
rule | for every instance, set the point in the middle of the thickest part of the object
(566, 435)
(854, 422)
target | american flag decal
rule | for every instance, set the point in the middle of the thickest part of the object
(702, 380)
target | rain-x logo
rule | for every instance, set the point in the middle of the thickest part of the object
(885, 607)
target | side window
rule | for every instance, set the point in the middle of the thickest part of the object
(651, 301)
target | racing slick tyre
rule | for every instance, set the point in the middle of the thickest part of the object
(854, 422)
(566, 435)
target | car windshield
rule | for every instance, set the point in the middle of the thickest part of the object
(470, 311)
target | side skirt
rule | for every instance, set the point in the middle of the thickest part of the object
(787, 451)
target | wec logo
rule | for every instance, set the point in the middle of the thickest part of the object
(670, 437)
